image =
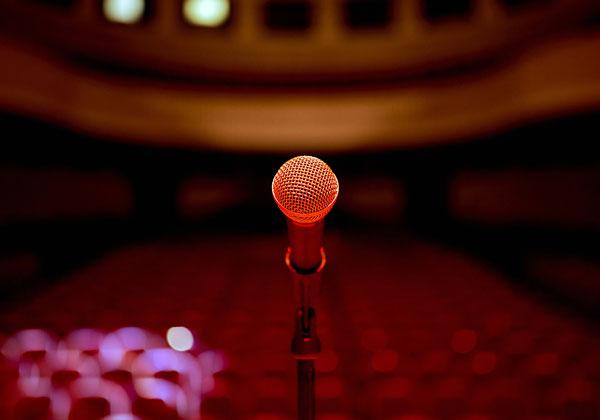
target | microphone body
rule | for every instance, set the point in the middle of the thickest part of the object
(305, 241)
(305, 190)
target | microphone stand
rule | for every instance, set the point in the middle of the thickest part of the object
(306, 344)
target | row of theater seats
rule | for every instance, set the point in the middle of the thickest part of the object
(410, 331)
(553, 214)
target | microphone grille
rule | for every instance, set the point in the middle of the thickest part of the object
(305, 189)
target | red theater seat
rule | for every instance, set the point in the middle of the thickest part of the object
(565, 197)
(153, 409)
(92, 408)
(60, 194)
(32, 409)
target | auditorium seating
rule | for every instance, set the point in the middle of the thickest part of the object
(410, 330)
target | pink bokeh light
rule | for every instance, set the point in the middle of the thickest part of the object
(87, 357)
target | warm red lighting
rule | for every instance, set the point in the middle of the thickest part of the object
(305, 189)
(374, 339)
(453, 387)
(436, 361)
(271, 387)
(498, 324)
(397, 388)
(520, 342)
(327, 361)
(384, 361)
(484, 362)
(329, 387)
(577, 389)
(464, 341)
(545, 364)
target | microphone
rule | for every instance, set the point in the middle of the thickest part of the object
(305, 190)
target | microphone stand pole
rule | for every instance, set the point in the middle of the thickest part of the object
(306, 344)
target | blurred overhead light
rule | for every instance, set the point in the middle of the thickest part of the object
(180, 338)
(123, 11)
(209, 13)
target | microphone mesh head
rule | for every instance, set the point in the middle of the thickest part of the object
(305, 189)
